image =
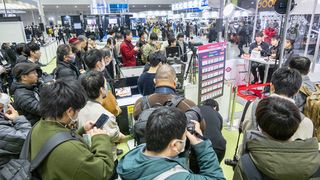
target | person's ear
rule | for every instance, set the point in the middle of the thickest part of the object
(173, 145)
(154, 81)
(70, 112)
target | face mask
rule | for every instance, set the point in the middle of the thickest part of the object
(72, 58)
(5, 100)
(183, 142)
(74, 123)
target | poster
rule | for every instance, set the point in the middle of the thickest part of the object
(211, 70)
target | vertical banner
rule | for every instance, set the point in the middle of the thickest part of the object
(212, 59)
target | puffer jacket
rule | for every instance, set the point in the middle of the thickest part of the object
(66, 71)
(26, 101)
(12, 136)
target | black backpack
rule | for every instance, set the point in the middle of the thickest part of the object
(147, 110)
(23, 168)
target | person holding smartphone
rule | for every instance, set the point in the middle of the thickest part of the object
(163, 157)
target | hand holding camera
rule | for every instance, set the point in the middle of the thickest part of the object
(194, 133)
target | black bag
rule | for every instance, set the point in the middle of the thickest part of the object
(147, 110)
(23, 168)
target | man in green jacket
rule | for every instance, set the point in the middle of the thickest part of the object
(60, 104)
(270, 151)
(163, 156)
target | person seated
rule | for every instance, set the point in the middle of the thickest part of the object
(274, 55)
(146, 80)
(66, 69)
(96, 88)
(60, 104)
(13, 131)
(25, 91)
(214, 123)
(285, 83)
(261, 47)
(162, 156)
(302, 64)
(270, 152)
(97, 63)
(288, 52)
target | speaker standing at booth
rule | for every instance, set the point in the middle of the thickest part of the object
(128, 51)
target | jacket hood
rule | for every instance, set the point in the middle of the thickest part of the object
(17, 85)
(136, 165)
(285, 160)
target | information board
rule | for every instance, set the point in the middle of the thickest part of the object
(211, 70)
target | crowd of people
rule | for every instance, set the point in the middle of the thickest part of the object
(183, 141)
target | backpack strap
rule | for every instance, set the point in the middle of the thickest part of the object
(170, 172)
(174, 101)
(145, 104)
(53, 142)
(249, 169)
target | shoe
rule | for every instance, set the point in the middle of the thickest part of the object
(119, 152)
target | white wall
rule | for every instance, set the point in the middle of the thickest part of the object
(26, 18)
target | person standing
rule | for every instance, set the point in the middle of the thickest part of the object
(141, 42)
(242, 38)
(183, 47)
(128, 51)
(65, 64)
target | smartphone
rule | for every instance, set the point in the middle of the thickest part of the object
(101, 121)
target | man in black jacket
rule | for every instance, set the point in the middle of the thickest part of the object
(263, 48)
(66, 69)
(25, 89)
(214, 124)
(183, 47)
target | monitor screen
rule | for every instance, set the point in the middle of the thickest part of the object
(131, 82)
(173, 52)
(113, 21)
(123, 92)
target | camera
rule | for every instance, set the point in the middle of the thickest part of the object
(193, 114)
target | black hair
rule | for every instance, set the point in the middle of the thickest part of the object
(63, 50)
(180, 35)
(212, 103)
(278, 117)
(259, 34)
(276, 37)
(164, 125)
(141, 33)
(106, 52)
(300, 63)
(109, 40)
(286, 81)
(171, 40)
(20, 48)
(92, 82)
(153, 37)
(292, 41)
(58, 97)
(92, 57)
(119, 36)
(154, 59)
(111, 31)
(92, 37)
(127, 33)
(31, 47)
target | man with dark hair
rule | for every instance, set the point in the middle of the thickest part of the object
(65, 64)
(183, 47)
(214, 124)
(32, 50)
(92, 42)
(25, 91)
(20, 50)
(96, 88)
(141, 42)
(150, 47)
(162, 156)
(73, 159)
(271, 152)
(95, 61)
(146, 80)
(128, 51)
(261, 47)
(302, 64)
(288, 52)
(285, 83)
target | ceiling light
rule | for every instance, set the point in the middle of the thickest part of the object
(133, 6)
(57, 6)
(145, 6)
(159, 6)
(75, 6)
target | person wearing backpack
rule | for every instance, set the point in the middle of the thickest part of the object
(271, 153)
(73, 159)
(149, 47)
(302, 64)
(163, 157)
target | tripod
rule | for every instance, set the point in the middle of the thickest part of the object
(192, 63)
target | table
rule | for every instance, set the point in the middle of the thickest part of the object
(261, 61)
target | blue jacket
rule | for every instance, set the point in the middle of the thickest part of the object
(136, 165)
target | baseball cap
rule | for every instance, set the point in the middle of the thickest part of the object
(23, 69)
(73, 40)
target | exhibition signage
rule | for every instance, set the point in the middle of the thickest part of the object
(211, 70)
